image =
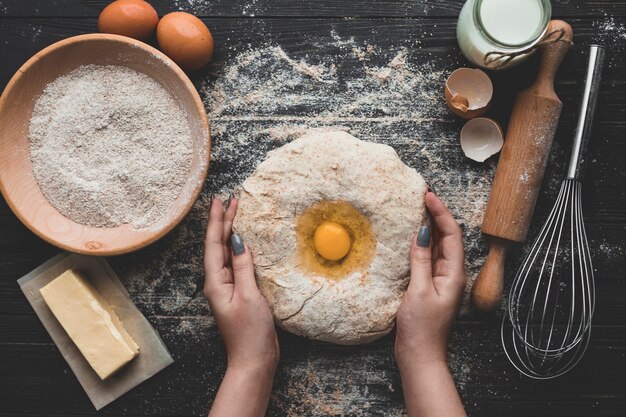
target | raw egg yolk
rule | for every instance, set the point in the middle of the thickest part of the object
(331, 241)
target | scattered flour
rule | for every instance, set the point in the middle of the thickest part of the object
(265, 97)
(248, 8)
(611, 30)
(192, 6)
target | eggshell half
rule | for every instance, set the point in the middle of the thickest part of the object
(481, 138)
(469, 92)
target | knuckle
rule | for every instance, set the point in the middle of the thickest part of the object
(246, 298)
(420, 260)
(415, 290)
(242, 267)
(421, 292)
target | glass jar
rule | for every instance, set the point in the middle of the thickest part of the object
(494, 34)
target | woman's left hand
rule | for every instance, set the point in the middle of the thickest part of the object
(241, 313)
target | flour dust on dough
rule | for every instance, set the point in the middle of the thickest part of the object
(355, 301)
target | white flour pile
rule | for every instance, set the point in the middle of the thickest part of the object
(109, 146)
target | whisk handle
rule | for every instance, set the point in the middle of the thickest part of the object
(587, 110)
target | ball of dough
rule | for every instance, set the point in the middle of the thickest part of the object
(364, 187)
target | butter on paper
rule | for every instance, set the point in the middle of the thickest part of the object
(153, 355)
(91, 322)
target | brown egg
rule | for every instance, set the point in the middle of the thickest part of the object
(184, 38)
(133, 18)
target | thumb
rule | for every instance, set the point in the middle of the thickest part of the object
(243, 267)
(421, 261)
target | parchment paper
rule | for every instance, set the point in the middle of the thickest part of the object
(153, 355)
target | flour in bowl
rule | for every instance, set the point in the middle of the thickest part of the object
(109, 146)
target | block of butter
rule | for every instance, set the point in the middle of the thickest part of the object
(90, 322)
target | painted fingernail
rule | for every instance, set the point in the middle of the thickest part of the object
(230, 198)
(429, 188)
(237, 244)
(423, 236)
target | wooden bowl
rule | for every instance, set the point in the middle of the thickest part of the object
(17, 181)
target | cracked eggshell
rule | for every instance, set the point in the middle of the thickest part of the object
(468, 92)
(480, 138)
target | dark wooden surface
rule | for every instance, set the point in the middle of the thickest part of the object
(316, 378)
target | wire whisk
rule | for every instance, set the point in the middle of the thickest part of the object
(547, 326)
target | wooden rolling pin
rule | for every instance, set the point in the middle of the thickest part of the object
(521, 167)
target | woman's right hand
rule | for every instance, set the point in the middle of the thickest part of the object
(426, 314)
(431, 301)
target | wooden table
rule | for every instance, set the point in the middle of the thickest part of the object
(316, 379)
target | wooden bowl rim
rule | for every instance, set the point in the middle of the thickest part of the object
(197, 188)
